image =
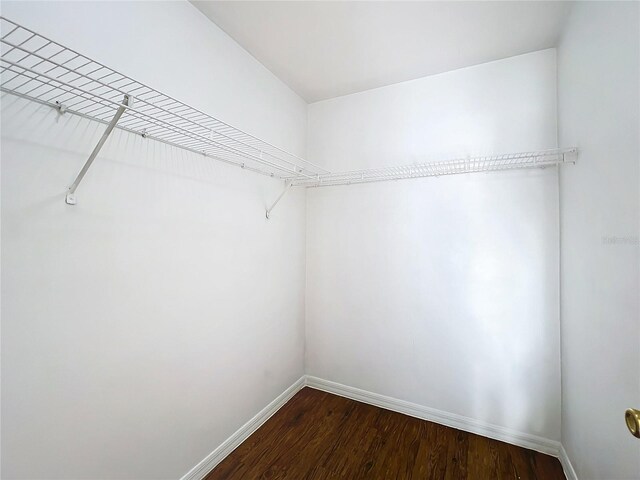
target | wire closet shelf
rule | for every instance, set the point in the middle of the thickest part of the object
(37, 68)
(487, 163)
(40, 69)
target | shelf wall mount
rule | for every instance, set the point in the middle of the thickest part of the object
(127, 102)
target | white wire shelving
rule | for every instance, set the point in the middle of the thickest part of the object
(40, 69)
(486, 163)
(37, 68)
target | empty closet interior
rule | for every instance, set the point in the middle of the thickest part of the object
(320, 240)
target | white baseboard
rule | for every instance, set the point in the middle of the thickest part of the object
(229, 445)
(569, 472)
(459, 422)
(526, 440)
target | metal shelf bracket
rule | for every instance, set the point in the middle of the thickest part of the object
(287, 186)
(127, 102)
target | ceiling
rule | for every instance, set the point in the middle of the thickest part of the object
(327, 49)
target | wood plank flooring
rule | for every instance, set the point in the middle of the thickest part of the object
(317, 435)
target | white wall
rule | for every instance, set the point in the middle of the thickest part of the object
(145, 325)
(442, 292)
(599, 83)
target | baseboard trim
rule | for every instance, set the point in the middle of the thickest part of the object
(569, 471)
(229, 445)
(459, 422)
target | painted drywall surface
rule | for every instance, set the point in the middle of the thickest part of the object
(143, 326)
(175, 49)
(599, 100)
(442, 291)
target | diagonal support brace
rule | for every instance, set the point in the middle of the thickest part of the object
(287, 186)
(127, 102)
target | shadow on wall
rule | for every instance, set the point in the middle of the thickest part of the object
(442, 292)
(512, 301)
(41, 125)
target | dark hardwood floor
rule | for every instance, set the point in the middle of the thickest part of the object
(317, 435)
